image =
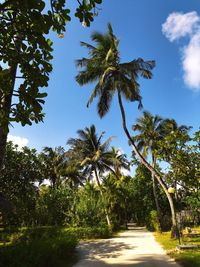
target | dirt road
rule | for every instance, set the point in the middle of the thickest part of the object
(132, 248)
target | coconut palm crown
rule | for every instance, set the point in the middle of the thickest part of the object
(103, 67)
(149, 128)
(89, 151)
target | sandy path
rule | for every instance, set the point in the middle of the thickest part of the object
(136, 248)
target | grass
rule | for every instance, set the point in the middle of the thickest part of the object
(189, 258)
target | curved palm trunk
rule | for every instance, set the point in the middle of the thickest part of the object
(156, 197)
(102, 196)
(175, 232)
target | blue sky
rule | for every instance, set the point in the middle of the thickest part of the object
(174, 91)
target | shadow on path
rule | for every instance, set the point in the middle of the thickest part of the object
(143, 261)
(104, 248)
(135, 247)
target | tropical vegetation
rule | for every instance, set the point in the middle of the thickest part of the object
(51, 199)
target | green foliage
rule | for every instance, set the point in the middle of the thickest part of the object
(89, 150)
(44, 246)
(89, 232)
(103, 66)
(88, 207)
(193, 203)
(81, 204)
(54, 206)
(184, 173)
(118, 195)
(152, 221)
(53, 161)
(39, 247)
(189, 258)
(149, 128)
(142, 195)
(20, 170)
(86, 11)
(26, 54)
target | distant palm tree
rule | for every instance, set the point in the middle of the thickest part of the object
(73, 174)
(119, 162)
(53, 160)
(93, 155)
(179, 135)
(103, 67)
(150, 129)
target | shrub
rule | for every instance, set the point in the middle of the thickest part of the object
(152, 222)
(89, 232)
(40, 247)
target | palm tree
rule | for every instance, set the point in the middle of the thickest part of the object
(177, 137)
(150, 130)
(53, 160)
(119, 162)
(93, 155)
(103, 67)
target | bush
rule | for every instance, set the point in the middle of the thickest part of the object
(40, 247)
(89, 232)
(153, 222)
(44, 246)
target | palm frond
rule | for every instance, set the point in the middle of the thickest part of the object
(103, 66)
(89, 46)
(106, 144)
(82, 62)
(105, 99)
(98, 37)
(107, 72)
(138, 67)
(86, 76)
(114, 39)
(95, 92)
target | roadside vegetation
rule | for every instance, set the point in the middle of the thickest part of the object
(187, 258)
(75, 203)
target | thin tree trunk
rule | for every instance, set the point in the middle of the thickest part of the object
(148, 166)
(6, 100)
(6, 106)
(102, 196)
(156, 197)
(3, 139)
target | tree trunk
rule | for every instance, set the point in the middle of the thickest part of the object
(102, 196)
(6, 106)
(156, 197)
(149, 167)
(3, 140)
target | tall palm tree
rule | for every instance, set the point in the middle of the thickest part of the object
(92, 155)
(103, 67)
(150, 129)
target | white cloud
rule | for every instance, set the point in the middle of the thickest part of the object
(17, 140)
(191, 63)
(179, 25)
